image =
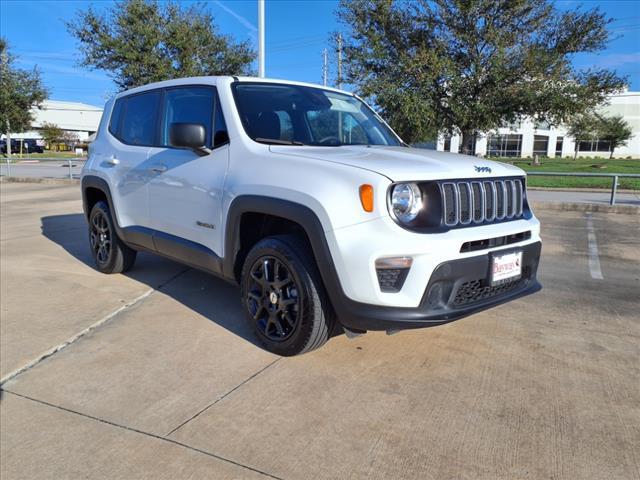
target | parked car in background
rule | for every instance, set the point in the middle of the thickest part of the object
(29, 145)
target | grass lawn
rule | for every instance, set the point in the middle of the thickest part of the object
(580, 165)
(37, 156)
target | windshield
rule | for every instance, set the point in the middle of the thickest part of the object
(297, 115)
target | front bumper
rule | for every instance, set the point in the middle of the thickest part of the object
(456, 289)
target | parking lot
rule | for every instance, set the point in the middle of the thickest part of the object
(154, 374)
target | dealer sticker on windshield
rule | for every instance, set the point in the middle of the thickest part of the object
(506, 267)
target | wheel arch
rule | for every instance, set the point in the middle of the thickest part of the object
(288, 211)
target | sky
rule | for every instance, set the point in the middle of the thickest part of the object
(296, 34)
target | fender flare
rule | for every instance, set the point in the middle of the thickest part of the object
(92, 181)
(295, 212)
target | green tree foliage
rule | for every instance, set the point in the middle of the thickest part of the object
(468, 66)
(614, 130)
(143, 41)
(51, 133)
(20, 90)
(582, 128)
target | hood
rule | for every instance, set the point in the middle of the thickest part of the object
(402, 163)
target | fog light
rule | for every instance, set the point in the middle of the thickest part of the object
(392, 272)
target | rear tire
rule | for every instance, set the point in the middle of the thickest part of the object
(283, 297)
(110, 254)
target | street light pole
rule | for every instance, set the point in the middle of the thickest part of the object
(261, 38)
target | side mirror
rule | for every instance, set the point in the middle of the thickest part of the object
(189, 135)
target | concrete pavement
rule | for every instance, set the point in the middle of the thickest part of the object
(173, 385)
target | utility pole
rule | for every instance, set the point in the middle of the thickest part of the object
(261, 38)
(5, 68)
(339, 41)
(325, 67)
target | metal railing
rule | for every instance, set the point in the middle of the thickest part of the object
(614, 178)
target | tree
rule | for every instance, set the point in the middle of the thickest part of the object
(51, 133)
(468, 66)
(614, 130)
(143, 41)
(20, 90)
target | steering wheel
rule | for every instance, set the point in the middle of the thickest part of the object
(333, 138)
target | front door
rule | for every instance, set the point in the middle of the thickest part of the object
(185, 191)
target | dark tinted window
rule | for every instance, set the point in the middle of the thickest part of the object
(292, 113)
(116, 115)
(220, 136)
(188, 105)
(139, 122)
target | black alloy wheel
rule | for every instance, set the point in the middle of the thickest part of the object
(100, 238)
(283, 296)
(110, 253)
(273, 299)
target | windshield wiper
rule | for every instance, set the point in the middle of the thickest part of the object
(277, 141)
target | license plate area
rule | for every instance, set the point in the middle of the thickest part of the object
(505, 267)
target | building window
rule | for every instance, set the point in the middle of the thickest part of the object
(504, 145)
(540, 145)
(513, 126)
(542, 125)
(593, 146)
(447, 143)
(559, 141)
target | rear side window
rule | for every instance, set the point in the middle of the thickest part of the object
(188, 105)
(138, 125)
(116, 117)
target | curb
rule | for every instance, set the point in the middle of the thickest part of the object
(585, 207)
(590, 190)
(43, 180)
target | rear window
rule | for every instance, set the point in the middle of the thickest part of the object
(138, 124)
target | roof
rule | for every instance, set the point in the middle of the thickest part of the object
(67, 115)
(73, 106)
(213, 80)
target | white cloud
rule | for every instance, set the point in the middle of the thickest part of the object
(252, 30)
(613, 60)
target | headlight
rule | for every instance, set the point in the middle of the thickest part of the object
(406, 202)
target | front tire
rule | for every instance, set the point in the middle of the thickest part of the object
(283, 297)
(109, 253)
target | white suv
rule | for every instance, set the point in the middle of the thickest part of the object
(307, 199)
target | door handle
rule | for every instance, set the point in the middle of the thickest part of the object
(159, 168)
(112, 161)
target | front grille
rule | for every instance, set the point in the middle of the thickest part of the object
(477, 290)
(474, 202)
(474, 291)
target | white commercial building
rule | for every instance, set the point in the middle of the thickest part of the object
(78, 118)
(529, 138)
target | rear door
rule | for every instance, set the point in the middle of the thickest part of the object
(123, 155)
(185, 192)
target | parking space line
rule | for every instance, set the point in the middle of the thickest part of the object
(141, 432)
(594, 259)
(89, 329)
(221, 397)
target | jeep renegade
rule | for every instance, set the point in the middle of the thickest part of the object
(310, 202)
